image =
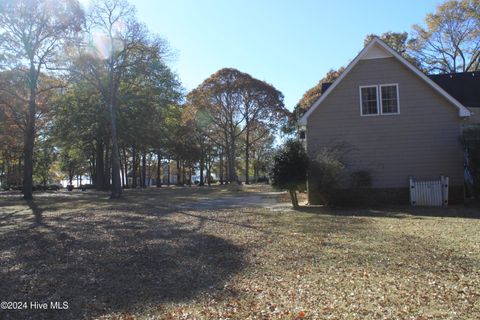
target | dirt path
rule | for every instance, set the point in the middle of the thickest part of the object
(234, 200)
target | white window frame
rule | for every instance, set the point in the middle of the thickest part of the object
(381, 99)
(361, 102)
(378, 89)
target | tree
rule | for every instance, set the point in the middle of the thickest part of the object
(12, 127)
(263, 111)
(231, 103)
(45, 156)
(81, 122)
(309, 98)
(314, 93)
(123, 47)
(398, 41)
(289, 171)
(143, 98)
(262, 154)
(72, 163)
(32, 31)
(450, 41)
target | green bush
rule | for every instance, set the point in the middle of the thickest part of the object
(289, 172)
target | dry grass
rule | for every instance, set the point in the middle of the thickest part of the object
(144, 257)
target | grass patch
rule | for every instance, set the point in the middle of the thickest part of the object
(146, 256)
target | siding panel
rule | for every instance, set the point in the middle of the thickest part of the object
(421, 142)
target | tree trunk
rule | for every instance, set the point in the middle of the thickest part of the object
(255, 172)
(99, 166)
(19, 173)
(247, 154)
(122, 173)
(231, 151)
(221, 167)
(115, 155)
(168, 173)
(209, 173)
(227, 164)
(126, 166)
(144, 170)
(159, 163)
(106, 174)
(2, 170)
(232, 175)
(179, 173)
(293, 197)
(189, 180)
(134, 167)
(231, 167)
(202, 167)
(92, 169)
(184, 176)
(30, 136)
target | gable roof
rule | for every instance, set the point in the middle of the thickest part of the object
(376, 48)
(463, 86)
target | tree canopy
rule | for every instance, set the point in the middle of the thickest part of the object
(450, 39)
(231, 104)
(29, 41)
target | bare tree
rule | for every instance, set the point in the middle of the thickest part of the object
(451, 40)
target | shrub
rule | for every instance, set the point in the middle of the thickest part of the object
(327, 172)
(289, 171)
(361, 179)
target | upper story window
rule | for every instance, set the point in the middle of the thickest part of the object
(369, 100)
(389, 94)
(379, 100)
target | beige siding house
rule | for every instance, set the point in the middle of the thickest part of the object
(394, 121)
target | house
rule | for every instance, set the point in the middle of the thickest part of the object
(395, 122)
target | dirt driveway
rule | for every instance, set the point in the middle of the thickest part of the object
(235, 200)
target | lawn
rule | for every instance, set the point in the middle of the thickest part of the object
(162, 254)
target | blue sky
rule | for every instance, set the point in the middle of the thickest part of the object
(290, 44)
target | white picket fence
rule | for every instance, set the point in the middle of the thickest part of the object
(432, 193)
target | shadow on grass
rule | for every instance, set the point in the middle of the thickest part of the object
(105, 261)
(398, 212)
(37, 212)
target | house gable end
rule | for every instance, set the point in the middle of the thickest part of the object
(377, 49)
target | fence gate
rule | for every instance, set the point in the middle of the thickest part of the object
(429, 193)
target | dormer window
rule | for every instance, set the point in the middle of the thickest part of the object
(379, 100)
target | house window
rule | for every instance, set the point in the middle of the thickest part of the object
(369, 101)
(389, 98)
(379, 100)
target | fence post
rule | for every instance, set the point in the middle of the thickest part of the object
(444, 190)
(413, 193)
